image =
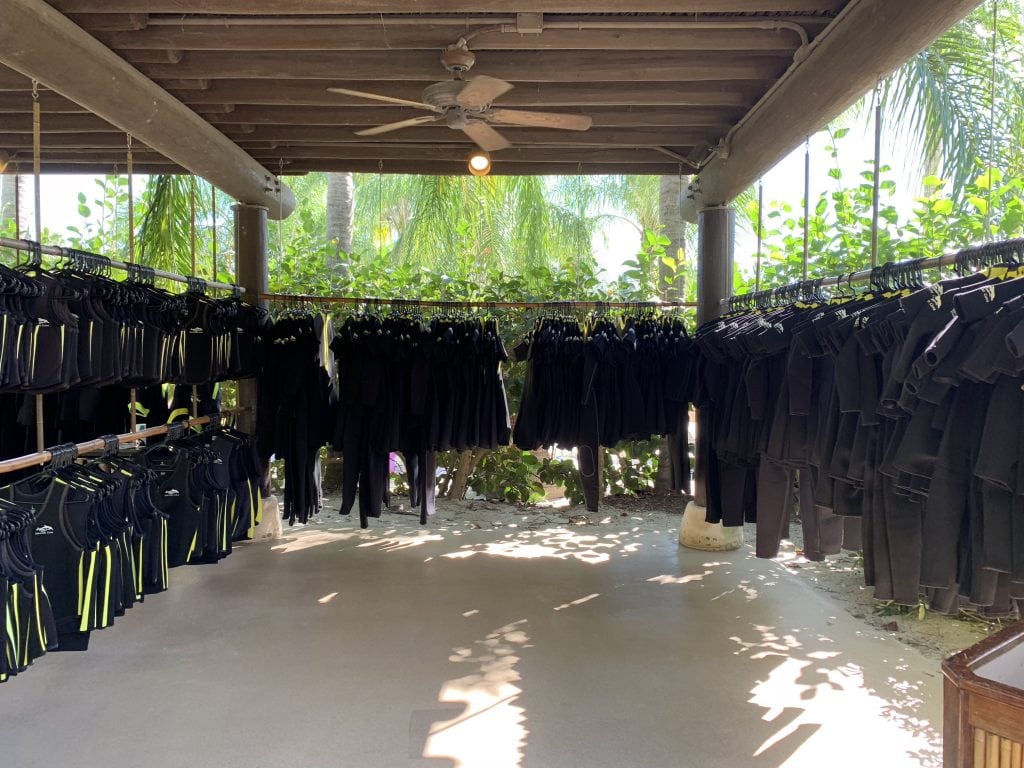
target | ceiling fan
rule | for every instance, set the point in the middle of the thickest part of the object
(465, 105)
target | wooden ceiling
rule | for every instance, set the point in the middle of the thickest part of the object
(662, 81)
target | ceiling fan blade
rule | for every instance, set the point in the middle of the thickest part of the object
(388, 127)
(486, 137)
(481, 91)
(381, 97)
(540, 119)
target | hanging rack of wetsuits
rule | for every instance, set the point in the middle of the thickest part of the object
(898, 405)
(604, 379)
(383, 382)
(84, 343)
(374, 383)
(84, 540)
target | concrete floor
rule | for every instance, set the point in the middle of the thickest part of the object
(461, 647)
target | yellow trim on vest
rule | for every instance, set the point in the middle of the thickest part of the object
(87, 604)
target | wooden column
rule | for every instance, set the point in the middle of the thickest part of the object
(251, 238)
(715, 245)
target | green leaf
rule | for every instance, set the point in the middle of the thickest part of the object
(84, 211)
(841, 133)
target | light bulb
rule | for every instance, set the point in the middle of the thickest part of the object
(479, 163)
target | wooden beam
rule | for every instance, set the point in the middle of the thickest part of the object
(452, 168)
(866, 43)
(341, 7)
(458, 153)
(625, 116)
(629, 137)
(393, 35)
(716, 93)
(33, 36)
(518, 66)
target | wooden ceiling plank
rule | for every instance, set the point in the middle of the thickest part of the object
(56, 123)
(329, 37)
(631, 137)
(98, 140)
(50, 103)
(724, 93)
(456, 152)
(342, 7)
(111, 22)
(519, 66)
(452, 168)
(623, 116)
(13, 81)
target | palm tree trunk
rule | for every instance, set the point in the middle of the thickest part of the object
(674, 228)
(341, 212)
(7, 186)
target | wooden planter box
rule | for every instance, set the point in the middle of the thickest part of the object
(983, 703)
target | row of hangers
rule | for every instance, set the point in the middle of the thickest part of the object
(885, 278)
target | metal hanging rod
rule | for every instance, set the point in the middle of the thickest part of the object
(107, 442)
(552, 305)
(975, 255)
(53, 250)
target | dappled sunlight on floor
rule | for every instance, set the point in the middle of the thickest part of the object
(491, 730)
(799, 695)
(558, 543)
(816, 701)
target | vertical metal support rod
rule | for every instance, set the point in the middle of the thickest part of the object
(133, 416)
(131, 204)
(875, 201)
(213, 228)
(37, 160)
(807, 203)
(195, 402)
(192, 230)
(37, 172)
(760, 234)
(992, 124)
(17, 214)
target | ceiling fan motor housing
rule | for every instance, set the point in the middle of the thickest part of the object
(444, 94)
(458, 60)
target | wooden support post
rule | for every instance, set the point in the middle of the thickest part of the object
(715, 246)
(251, 238)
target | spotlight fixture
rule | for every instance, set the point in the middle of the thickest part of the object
(479, 163)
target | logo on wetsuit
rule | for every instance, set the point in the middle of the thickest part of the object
(172, 492)
(44, 530)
